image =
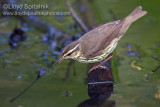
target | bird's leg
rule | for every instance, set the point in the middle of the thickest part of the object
(109, 57)
(93, 66)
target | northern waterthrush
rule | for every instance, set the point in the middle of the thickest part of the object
(99, 43)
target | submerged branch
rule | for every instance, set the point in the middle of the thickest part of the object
(40, 73)
(13, 99)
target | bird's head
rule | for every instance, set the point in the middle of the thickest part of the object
(71, 51)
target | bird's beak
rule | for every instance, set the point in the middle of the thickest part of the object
(59, 60)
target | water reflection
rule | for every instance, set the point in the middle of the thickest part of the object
(96, 103)
(100, 87)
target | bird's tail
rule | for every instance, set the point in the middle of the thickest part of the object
(136, 14)
(127, 21)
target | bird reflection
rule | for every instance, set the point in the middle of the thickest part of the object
(100, 87)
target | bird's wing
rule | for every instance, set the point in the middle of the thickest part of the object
(95, 41)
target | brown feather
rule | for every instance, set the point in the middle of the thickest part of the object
(95, 41)
(102, 40)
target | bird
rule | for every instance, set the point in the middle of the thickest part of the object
(99, 43)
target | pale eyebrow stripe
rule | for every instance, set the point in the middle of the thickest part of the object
(71, 50)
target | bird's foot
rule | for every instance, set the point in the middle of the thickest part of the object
(93, 68)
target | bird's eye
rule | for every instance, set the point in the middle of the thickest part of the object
(69, 54)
